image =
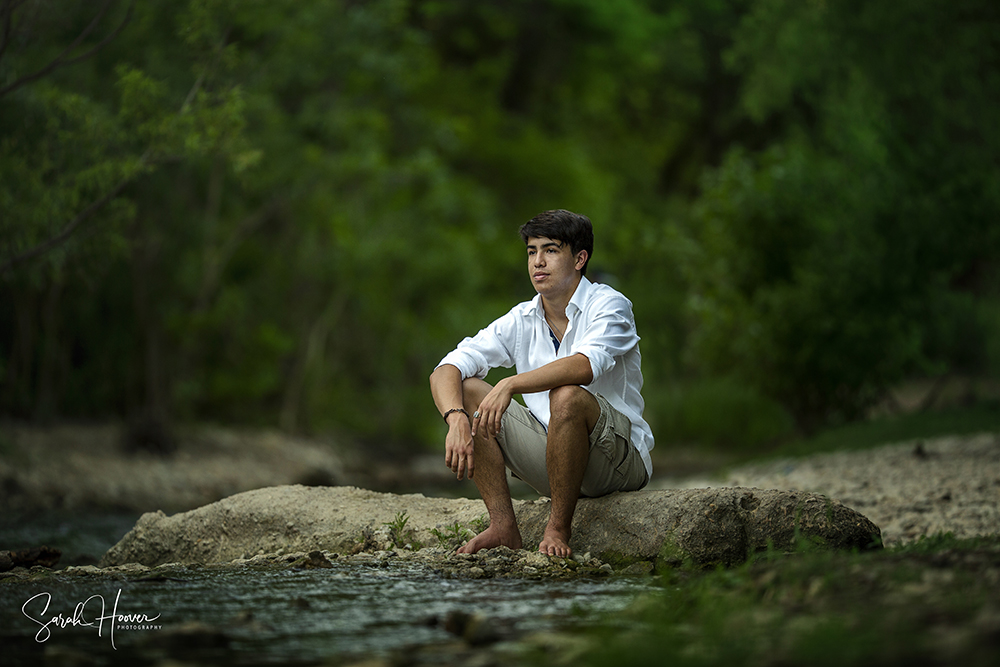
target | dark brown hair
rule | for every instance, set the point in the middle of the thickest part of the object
(565, 226)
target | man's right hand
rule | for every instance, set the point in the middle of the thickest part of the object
(458, 445)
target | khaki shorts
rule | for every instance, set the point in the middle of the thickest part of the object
(614, 464)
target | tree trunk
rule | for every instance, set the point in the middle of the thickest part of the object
(17, 383)
(45, 398)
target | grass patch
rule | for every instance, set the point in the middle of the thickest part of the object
(932, 602)
(454, 535)
(400, 535)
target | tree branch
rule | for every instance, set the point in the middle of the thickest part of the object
(68, 230)
(201, 77)
(114, 33)
(61, 59)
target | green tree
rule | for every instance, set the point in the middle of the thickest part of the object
(839, 260)
(81, 125)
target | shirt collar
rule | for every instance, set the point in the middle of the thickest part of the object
(576, 301)
(579, 297)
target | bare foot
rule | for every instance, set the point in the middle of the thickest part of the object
(555, 543)
(493, 536)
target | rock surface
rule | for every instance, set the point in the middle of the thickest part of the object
(698, 526)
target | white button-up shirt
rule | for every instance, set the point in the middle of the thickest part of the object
(601, 327)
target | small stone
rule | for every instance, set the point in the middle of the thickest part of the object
(640, 568)
(315, 560)
(535, 559)
(480, 630)
(474, 628)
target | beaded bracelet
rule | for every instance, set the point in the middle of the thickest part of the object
(462, 410)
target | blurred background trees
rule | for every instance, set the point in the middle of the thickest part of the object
(284, 213)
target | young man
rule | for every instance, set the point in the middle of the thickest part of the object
(578, 369)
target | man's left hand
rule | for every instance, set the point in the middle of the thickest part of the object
(492, 408)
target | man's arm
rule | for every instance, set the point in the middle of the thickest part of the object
(608, 332)
(446, 388)
(572, 370)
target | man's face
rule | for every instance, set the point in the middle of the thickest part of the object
(552, 266)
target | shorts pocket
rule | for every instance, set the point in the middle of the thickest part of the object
(621, 428)
(607, 441)
(625, 460)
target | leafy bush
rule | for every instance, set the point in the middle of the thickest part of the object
(719, 412)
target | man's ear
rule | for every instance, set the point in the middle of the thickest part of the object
(581, 259)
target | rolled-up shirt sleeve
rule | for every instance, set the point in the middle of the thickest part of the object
(610, 333)
(492, 347)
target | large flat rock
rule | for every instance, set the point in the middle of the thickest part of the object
(702, 527)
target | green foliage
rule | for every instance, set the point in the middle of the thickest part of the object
(837, 261)
(285, 213)
(480, 523)
(313, 277)
(720, 412)
(894, 607)
(399, 534)
(69, 149)
(800, 304)
(454, 535)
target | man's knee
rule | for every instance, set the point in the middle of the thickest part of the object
(474, 391)
(570, 402)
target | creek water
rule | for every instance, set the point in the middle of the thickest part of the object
(249, 615)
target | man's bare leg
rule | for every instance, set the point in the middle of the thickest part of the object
(491, 480)
(574, 414)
